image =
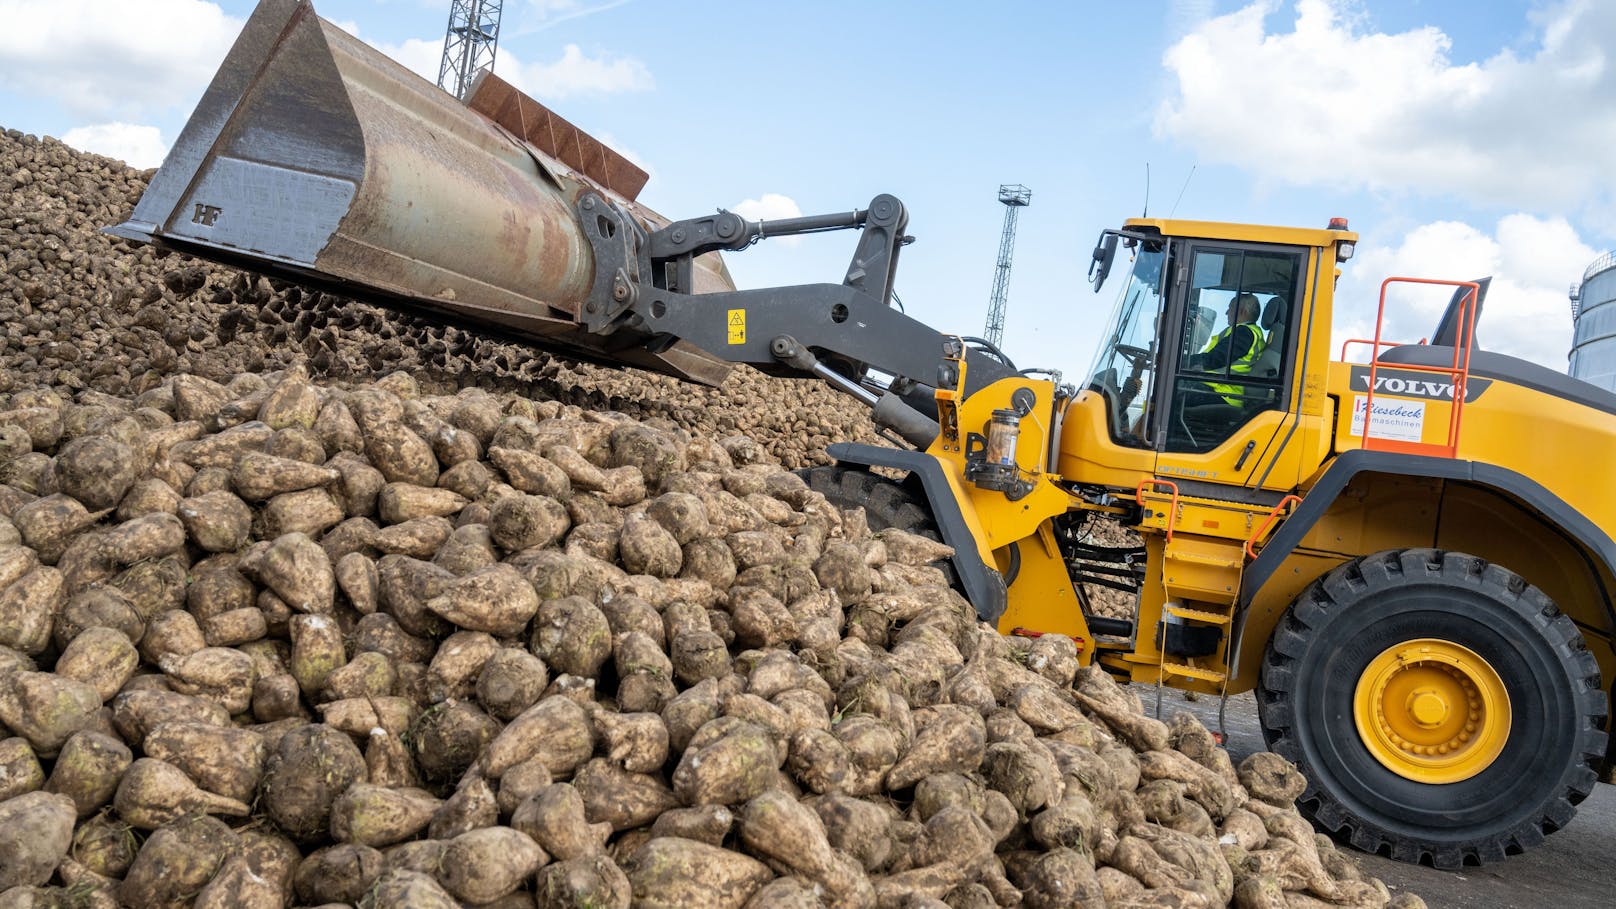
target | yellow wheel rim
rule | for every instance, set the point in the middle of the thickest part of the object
(1432, 711)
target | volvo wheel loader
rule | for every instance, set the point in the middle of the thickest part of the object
(1408, 558)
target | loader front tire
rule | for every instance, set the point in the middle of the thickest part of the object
(887, 503)
(1443, 710)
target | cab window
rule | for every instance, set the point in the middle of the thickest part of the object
(1124, 371)
(1232, 344)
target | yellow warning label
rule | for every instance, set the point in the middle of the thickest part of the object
(737, 326)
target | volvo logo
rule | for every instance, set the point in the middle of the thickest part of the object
(1432, 386)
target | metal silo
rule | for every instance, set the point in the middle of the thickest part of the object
(1593, 340)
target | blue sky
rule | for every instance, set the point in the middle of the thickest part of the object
(1460, 138)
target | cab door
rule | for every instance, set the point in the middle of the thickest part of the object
(1227, 377)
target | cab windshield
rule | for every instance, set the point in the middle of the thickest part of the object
(1125, 366)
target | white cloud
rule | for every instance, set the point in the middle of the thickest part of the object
(135, 145)
(101, 58)
(1331, 102)
(421, 56)
(576, 73)
(1526, 312)
(770, 207)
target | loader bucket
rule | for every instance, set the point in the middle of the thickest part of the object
(316, 158)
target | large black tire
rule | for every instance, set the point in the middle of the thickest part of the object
(1330, 639)
(886, 503)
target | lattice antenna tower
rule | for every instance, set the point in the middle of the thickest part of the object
(1015, 197)
(469, 43)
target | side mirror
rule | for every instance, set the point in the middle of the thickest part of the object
(1100, 265)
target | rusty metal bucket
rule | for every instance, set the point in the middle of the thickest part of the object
(314, 157)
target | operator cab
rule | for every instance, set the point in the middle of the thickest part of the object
(1199, 343)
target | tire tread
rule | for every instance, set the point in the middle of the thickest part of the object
(886, 503)
(1308, 617)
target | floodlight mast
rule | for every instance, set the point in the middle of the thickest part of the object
(469, 43)
(1014, 196)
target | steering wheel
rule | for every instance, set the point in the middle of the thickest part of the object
(1137, 357)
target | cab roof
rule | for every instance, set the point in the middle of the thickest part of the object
(1246, 233)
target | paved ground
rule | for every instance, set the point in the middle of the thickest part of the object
(1573, 869)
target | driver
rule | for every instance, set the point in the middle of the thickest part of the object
(1233, 350)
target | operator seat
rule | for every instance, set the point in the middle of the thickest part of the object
(1273, 325)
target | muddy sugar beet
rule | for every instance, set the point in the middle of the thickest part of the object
(716, 693)
(282, 624)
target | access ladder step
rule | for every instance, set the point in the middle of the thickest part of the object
(1193, 672)
(1199, 615)
(1205, 570)
(1195, 558)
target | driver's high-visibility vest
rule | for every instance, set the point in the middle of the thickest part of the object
(1235, 394)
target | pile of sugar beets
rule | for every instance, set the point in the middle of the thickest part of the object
(81, 310)
(268, 643)
(511, 630)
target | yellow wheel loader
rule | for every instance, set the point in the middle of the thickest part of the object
(1408, 558)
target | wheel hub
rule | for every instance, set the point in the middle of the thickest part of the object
(1432, 711)
(1428, 707)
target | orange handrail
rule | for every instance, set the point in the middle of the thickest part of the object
(1351, 341)
(1459, 370)
(1139, 497)
(1268, 521)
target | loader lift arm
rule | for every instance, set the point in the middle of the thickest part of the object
(836, 332)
